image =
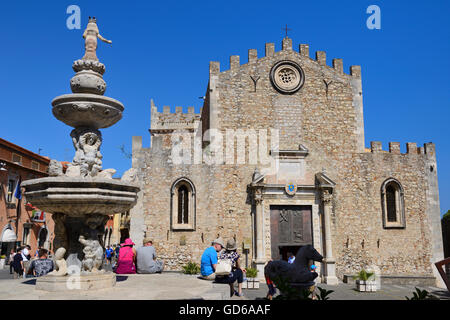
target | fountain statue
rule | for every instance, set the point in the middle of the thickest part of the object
(82, 198)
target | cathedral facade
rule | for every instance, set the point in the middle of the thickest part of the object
(277, 159)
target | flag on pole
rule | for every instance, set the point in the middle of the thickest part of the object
(18, 192)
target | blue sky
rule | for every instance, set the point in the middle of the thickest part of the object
(162, 49)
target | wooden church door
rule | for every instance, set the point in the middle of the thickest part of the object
(290, 228)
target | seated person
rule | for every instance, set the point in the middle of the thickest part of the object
(127, 258)
(43, 265)
(146, 259)
(209, 260)
(236, 274)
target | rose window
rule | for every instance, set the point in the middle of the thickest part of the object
(287, 76)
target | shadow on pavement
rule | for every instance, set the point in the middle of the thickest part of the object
(31, 281)
(121, 278)
(442, 294)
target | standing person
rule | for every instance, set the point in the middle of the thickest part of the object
(43, 265)
(126, 263)
(209, 259)
(109, 253)
(116, 254)
(236, 274)
(113, 255)
(18, 264)
(291, 257)
(272, 289)
(11, 261)
(116, 251)
(26, 257)
(36, 254)
(146, 259)
(28, 250)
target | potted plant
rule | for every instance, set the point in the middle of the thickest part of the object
(252, 282)
(365, 281)
(2, 261)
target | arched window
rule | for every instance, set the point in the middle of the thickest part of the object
(183, 205)
(392, 202)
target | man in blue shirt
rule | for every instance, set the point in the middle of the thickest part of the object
(109, 253)
(209, 259)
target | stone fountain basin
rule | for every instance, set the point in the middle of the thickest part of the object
(80, 196)
(87, 110)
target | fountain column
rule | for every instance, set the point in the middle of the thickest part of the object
(82, 198)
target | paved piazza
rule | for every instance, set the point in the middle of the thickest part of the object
(170, 285)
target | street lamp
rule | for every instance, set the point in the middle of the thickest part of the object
(3, 166)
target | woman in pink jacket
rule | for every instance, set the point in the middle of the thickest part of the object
(126, 263)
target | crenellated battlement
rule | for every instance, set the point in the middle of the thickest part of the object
(286, 45)
(167, 121)
(394, 148)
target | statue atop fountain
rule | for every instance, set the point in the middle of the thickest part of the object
(90, 35)
(82, 198)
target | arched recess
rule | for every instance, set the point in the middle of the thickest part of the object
(43, 238)
(8, 239)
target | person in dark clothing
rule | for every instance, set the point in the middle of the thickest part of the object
(11, 260)
(18, 264)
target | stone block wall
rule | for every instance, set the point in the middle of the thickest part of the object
(359, 237)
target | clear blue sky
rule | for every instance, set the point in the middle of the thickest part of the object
(161, 50)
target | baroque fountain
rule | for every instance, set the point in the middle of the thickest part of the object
(82, 198)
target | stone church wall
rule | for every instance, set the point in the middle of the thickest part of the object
(325, 116)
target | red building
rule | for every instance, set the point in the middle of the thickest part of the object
(21, 223)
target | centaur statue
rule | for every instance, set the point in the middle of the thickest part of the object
(298, 274)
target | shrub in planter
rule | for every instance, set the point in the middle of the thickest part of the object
(252, 282)
(365, 281)
(191, 268)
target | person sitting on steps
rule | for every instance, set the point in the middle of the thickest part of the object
(236, 274)
(209, 259)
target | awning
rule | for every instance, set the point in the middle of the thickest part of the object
(8, 236)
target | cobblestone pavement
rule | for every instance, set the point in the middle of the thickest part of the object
(4, 273)
(165, 286)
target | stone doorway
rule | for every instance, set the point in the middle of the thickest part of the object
(290, 228)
